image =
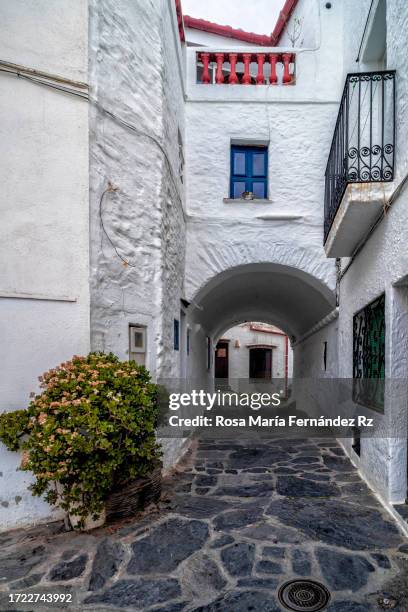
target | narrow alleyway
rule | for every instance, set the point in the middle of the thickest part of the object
(241, 519)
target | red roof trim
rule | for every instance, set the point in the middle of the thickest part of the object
(262, 40)
(282, 21)
(227, 31)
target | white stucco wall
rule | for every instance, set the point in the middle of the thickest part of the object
(44, 295)
(380, 266)
(223, 236)
(201, 38)
(304, 24)
(136, 72)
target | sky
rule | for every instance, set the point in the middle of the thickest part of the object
(252, 15)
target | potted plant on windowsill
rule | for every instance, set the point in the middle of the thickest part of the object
(88, 435)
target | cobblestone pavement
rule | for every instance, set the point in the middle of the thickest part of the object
(240, 520)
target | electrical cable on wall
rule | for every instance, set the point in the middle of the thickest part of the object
(46, 81)
(111, 189)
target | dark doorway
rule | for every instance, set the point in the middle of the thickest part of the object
(260, 363)
(221, 360)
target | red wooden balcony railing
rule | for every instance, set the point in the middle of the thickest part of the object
(233, 68)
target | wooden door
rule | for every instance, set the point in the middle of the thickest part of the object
(260, 363)
(221, 360)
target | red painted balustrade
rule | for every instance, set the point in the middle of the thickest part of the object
(221, 68)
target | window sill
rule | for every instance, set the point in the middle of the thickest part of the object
(243, 201)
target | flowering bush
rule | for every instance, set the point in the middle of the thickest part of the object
(91, 427)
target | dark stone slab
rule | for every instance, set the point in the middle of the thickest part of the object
(301, 564)
(222, 541)
(305, 461)
(349, 606)
(183, 488)
(338, 464)
(205, 481)
(273, 551)
(242, 601)
(273, 533)
(402, 510)
(67, 570)
(293, 486)
(26, 582)
(167, 545)
(256, 470)
(17, 564)
(250, 490)
(268, 567)
(343, 570)
(381, 560)
(403, 549)
(202, 575)
(235, 519)
(337, 522)
(256, 457)
(202, 490)
(238, 558)
(108, 558)
(338, 451)
(316, 476)
(68, 554)
(347, 477)
(140, 592)
(216, 464)
(258, 583)
(355, 488)
(285, 470)
(196, 507)
(176, 607)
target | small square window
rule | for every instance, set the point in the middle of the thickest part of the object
(249, 171)
(137, 336)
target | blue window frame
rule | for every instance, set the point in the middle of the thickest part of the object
(176, 334)
(249, 171)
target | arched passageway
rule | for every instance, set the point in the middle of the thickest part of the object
(281, 295)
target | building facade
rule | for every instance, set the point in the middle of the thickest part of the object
(166, 181)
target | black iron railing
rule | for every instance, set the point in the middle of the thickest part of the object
(363, 145)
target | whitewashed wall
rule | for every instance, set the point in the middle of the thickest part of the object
(136, 73)
(382, 265)
(44, 209)
(296, 122)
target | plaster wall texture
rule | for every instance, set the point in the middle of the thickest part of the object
(239, 356)
(136, 73)
(305, 22)
(308, 355)
(224, 236)
(44, 235)
(203, 39)
(380, 267)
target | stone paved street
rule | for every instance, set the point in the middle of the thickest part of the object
(238, 521)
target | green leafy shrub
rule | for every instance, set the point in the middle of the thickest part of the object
(91, 428)
(13, 426)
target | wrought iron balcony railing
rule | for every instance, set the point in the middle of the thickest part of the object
(363, 145)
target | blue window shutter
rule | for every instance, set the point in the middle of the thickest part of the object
(249, 171)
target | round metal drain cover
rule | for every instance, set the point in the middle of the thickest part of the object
(304, 595)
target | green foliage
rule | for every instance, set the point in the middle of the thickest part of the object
(13, 426)
(92, 427)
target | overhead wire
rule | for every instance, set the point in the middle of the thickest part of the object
(47, 82)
